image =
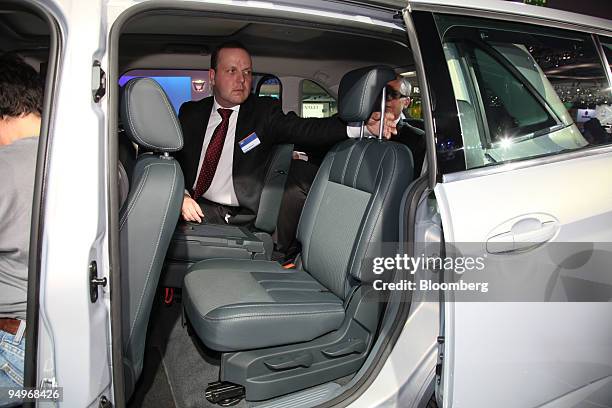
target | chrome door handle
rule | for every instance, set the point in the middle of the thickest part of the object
(522, 234)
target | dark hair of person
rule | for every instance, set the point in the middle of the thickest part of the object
(21, 88)
(229, 44)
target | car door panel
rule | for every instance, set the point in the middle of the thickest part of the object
(527, 190)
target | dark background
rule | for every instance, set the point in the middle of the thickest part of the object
(597, 8)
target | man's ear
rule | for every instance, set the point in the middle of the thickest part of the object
(407, 103)
(211, 76)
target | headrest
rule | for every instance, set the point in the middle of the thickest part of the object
(360, 90)
(148, 117)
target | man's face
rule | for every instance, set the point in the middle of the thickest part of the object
(395, 101)
(232, 78)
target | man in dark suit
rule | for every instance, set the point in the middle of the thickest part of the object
(228, 141)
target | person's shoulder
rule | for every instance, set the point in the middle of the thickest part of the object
(13, 151)
(263, 102)
(195, 106)
(9, 161)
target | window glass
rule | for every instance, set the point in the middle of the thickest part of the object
(316, 102)
(268, 85)
(414, 110)
(523, 91)
(511, 110)
(604, 112)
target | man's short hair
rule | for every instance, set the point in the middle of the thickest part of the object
(21, 88)
(229, 44)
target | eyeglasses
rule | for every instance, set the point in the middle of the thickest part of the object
(393, 94)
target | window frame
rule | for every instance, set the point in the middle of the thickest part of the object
(264, 79)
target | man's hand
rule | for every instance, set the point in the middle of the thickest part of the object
(389, 129)
(190, 210)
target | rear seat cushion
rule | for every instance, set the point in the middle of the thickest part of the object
(234, 304)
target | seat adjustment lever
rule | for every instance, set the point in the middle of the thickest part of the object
(343, 349)
(290, 361)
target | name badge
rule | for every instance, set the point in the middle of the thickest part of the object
(249, 143)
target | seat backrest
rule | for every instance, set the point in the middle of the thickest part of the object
(353, 206)
(125, 166)
(273, 188)
(150, 213)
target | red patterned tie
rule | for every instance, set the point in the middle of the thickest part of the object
(213, 154)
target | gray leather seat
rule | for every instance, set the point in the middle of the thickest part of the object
(352, 208)
(252, 304)
(149, 215)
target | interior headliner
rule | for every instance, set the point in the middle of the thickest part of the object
(185, 40)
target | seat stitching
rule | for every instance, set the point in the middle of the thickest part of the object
(393, 175)
(154, 255)
(363, 90)
(128, 91)
(131, 202)
(293, 289)
(297, 280)
(318, 204)
(350, 153)
(164, 98)
(139, 191)
(272, 315)
(274, 304)
(367, 214)
(359, 164)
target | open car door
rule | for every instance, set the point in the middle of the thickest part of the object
(523, 187)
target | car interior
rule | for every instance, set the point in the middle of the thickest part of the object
(307, 330)
(211, 314)
(26, 34)
(228, 323)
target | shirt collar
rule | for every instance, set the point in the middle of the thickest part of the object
(217, 106)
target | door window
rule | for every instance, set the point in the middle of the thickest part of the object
(524, 92)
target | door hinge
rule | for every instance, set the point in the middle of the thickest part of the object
(94, 281)
(440, 363)
(105, 403)
(48, 383)
(98, 81)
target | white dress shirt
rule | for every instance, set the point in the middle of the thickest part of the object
(221, 188)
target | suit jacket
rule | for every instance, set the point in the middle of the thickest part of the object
(265, 117)
(414, 138)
